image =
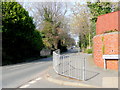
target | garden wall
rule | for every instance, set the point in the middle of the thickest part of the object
(107, 22)
(106, 43)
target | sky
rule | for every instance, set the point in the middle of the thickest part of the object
(69, 12)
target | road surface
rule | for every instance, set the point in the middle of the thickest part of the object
(15, 75)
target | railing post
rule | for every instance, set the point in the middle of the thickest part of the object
(58, 63)
(69, 66)
(84, 69)
(53, 60)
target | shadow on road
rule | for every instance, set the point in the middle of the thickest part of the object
(32, 61)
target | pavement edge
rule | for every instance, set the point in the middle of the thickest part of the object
(62, 82)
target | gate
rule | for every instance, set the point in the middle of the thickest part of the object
(72, 66)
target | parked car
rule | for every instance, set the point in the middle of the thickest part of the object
(72, 47)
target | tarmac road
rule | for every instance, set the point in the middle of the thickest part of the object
(15, 75)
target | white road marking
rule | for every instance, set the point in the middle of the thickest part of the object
(25, 86)
(35, 80)
(32, 82)
(39, 78)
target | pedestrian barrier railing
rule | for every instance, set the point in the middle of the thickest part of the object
(72, 66)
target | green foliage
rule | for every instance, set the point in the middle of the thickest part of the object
(111, 31)
(103, 46)
(63, 48)
(20, 39)
(103, 49)
(48, 33)
(83, 41)
(52, 33)
(37, 40)
(102, 39)
(47, 15)
(48, 30)
(99, 8)
(89, 51)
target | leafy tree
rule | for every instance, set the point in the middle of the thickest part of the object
(0, 16)
(66, 39)
(81, 25)
(55, 12)
(50, 18)
(48, 35)
(52, 30)
(99, 8)
(20, 39)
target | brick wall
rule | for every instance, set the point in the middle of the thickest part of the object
(106, 44)
(107, 22)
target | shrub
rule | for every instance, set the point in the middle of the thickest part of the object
(20, 39)
(89, 51)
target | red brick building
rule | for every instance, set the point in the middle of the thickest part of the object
(106, 40)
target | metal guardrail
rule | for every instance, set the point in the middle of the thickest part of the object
(69, 65)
